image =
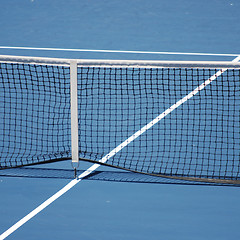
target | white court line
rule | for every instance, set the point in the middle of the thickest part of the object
(118, 51)
(111, 154)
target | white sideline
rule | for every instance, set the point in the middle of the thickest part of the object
(118, 51)
(111, 154)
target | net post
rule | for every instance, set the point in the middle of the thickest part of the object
(74, 111)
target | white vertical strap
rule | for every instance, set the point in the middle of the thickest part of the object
(74, 110)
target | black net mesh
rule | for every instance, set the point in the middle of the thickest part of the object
(35, 114)
(199, 139)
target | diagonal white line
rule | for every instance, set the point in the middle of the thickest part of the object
(39, 208)
(111, 154)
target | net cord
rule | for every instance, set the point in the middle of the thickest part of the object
(119, 63)
(109, 155)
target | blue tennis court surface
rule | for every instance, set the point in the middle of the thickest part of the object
(113, 210)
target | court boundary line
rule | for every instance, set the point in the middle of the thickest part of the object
(118, 51)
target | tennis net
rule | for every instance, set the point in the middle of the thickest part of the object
(176, 119)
